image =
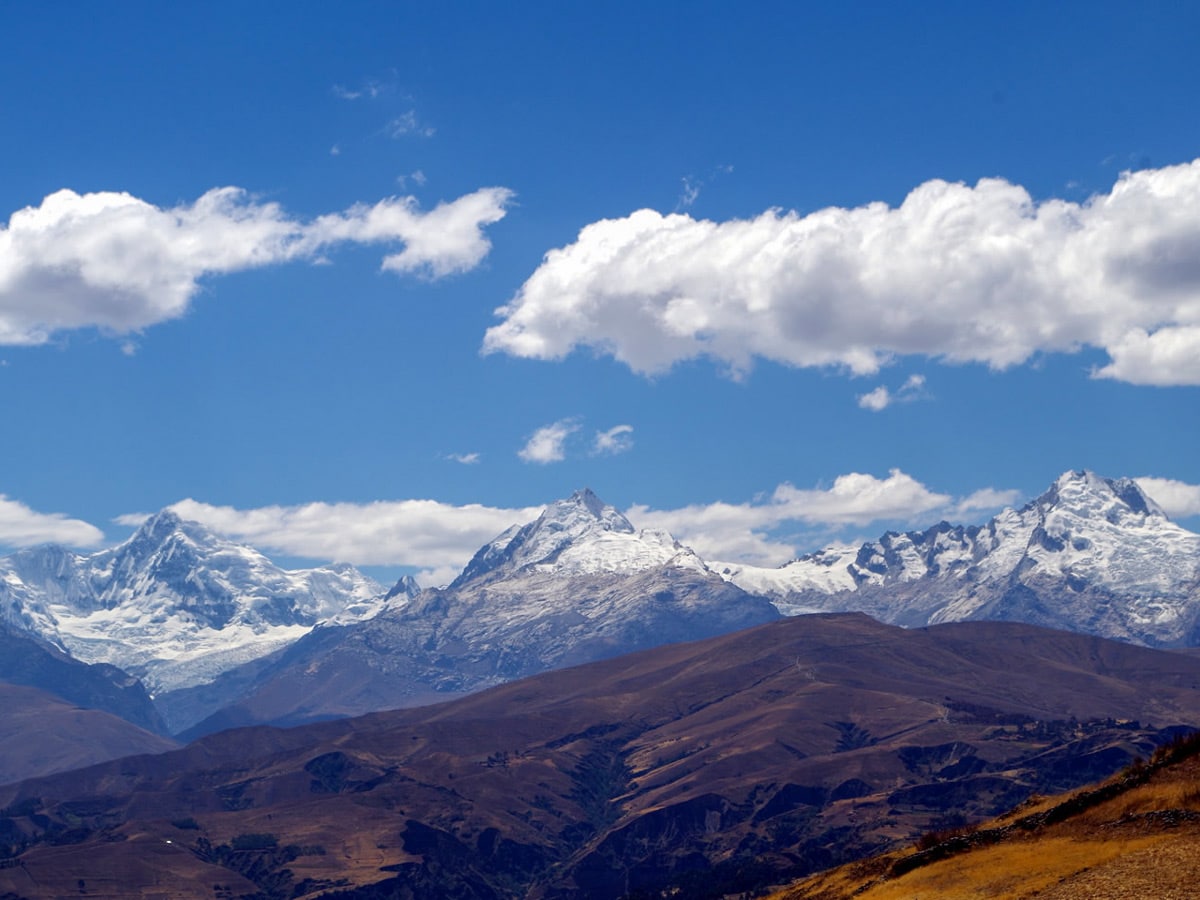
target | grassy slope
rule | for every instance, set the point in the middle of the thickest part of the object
(1136, 835)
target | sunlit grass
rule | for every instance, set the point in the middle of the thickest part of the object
(1007, 871)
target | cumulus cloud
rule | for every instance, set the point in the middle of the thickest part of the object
(856, 499)
(21, 526)
(616, 440)
(1178, 499)
(1169, 356)
(115, 262)
(881, 398)
(548, 443)
(746, 532)
(963, 273)
(876, 400)
(422, 533)
(467, 459)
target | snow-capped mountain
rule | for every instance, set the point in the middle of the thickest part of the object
(579, 583)
(581, 535)
(175, 604)
(1091, 554)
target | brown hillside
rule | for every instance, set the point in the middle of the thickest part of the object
(721, 765)
(41, 734)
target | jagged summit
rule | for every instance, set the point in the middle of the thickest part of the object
(580, 534)
(1090, 554)
(580, 515)
(1085, 492)
(405, 588)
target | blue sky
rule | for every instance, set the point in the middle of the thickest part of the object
(771, 277)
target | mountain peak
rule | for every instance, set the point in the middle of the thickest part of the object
(167, 522)
(581, 512)
(580, 533)
(586, 498)
(1085, 492)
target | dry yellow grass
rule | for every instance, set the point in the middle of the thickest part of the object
(1143, 842)
(1006, 871)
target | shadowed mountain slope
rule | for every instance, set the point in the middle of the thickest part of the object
(41, 734)
(715, 766)
(25, 660)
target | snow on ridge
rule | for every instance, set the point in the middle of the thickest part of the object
(175, 604)
(1099, 551)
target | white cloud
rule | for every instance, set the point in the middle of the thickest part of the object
(424, 533)
(745, 532)
(439, 576)
(986, 499)
(856, 499)
(721, 531)
(1169, 356)
(21, 526)
(876, 400)
(115, 262)
(966, 274)
(881, 398)
(616, 440)
(1178, 499)
(467, 459)
(548, 443)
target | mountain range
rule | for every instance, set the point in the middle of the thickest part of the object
(639, 722)
(577, 584)
(221, 636)
(1091, 554)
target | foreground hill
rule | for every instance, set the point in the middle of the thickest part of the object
(1137, 835)
(1091, 554)
(720, 765)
